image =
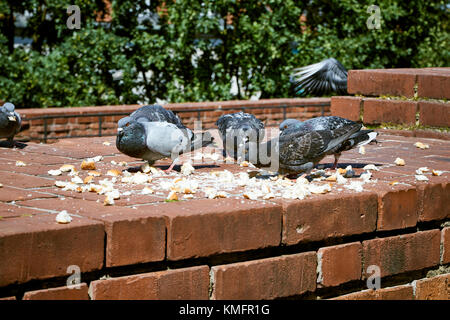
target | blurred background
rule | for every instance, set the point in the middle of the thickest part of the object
(129, 52)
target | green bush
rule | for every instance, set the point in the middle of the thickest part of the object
(191, 50)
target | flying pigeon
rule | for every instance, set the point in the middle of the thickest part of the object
(10, 122)
(236, 129)
(359, 138)
(299, 150)
(157, 140)
(320, 78)
(152, 113)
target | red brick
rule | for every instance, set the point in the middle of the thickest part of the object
(339, 264)
(175, 284)
(265, 278)
(39, 247)
(433, 201)
(434, 85)
(346, 107)
(13, 194)
(445, 246)
(378, 111)
(148, 229)
(404, 292)
(397, 209)
(328, 216)
(435, 288)
(8, 298)
(206, 227)
(376, 82)
(61, 293)
(402, 253)
(19, 180)
(434, 113)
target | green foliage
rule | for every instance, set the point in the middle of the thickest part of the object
(192, 50)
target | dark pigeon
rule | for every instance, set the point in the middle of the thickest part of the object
(321, 78)
(237, 129)
(359, 138)
(298, 150)
(10, 122)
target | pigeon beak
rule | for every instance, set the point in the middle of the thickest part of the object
(119, 130)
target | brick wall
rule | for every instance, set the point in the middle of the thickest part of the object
(267, 110)
(411, 97)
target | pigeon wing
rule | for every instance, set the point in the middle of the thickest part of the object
(321, 78)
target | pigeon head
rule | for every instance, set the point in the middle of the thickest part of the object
(289, 123)
(131, 140)
(122, 122)
(9, 107)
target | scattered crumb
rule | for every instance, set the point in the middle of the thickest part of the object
(147, 190)
(88, 179)
(187, 169)
(172, 196)
(20, 163)
(67, 167)
(88, 165)
(114, 173)
(399, 162)
(371, 167)
(106, 143)
(94, 173)
(436, 172)
(362, 150)
(63, 217)
(421, 145)
(54, 172)
(421, 177)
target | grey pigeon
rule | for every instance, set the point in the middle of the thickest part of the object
(320, 78)
(236, 129)
(359, 138)
(151, 113)
(298, 150)
(10, 122)
(157, 140)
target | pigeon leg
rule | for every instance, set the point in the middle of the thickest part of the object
(336, 159)
(171, 166)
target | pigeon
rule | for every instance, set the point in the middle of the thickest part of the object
(298, 150)
(237, 129)
(359, 138)
(152, 113)
(10, 122)
(321, 78)
(157, 140)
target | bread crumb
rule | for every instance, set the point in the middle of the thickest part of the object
(399, 162)
(63, 217)
(114, 173)
(421, 145)
(20, 163)
(94, 173)
(67, 167)
(54, 172)
(436, 172)
(88, 165)
(88, 179)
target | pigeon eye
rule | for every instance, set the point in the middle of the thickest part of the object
(127, 124)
